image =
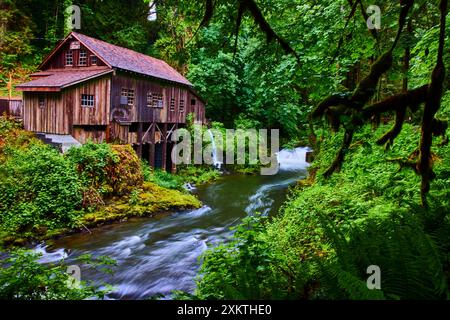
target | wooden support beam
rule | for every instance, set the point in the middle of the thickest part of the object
(174, 167)
(151, 152)
(170, 132)
(139, 139)
(160, 131)
(164, 155)
(108, 133)
(146, 132)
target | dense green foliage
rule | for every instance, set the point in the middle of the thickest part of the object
(328, 233)
(105, 170)
(22, 277)
(44, 193)
(188, 174)
(39, 188)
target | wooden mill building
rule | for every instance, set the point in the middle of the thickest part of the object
(88, 89)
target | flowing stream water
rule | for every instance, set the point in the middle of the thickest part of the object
(158, 255)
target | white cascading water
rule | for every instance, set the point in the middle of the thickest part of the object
(289, 161)
(216, 163)
(293, 160)
(48, 257)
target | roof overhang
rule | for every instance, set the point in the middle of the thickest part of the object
(39, 89)
(55, 88)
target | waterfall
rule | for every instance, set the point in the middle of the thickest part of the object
(216, 163)
(293, 160)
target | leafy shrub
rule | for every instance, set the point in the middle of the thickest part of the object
(106, 170)
(13, 137)
(246, 268)
(91, 160)
(7, 125)
(38, 188)
(161, 178)
(166, 180)
(327, 234)
(22, 277)
(185, 174)
(124, 175)
(198, 174)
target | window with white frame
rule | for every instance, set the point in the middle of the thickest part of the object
(87, 100)
(127, 97)
(172, 104)
(158, 101)
(83, 58)
(130, 99)
(69, 58)
(149, 99)
(94, 60)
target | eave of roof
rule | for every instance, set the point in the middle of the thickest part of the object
(59, 80)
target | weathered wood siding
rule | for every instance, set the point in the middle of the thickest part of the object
(58, 61)
(122, 134)
(16, 108)
(63, 109)
(140, 112)
(97, 115)
(4, 106)
(52, 118)
(12, 107)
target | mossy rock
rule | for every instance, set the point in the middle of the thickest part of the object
(151, 200)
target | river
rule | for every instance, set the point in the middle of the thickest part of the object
(158, 255)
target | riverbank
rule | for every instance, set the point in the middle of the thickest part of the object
(45, 194)
(330, 231)
(152, 201)
(161, 254)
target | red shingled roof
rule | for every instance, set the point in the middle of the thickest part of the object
(126, 59)
(55, 80)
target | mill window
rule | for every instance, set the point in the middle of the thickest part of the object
(127, 97)
(172, 104)
(130, 99)
(69, 58)
(149, 99)
(87, 100)
(94, 60)
(157, 100)
(83, 58)
(181, 105)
